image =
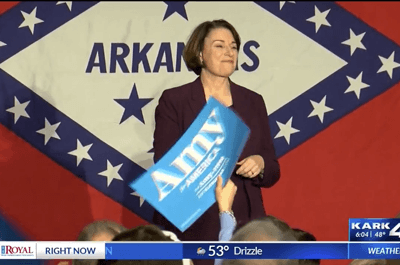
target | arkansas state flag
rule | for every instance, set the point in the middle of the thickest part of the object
(79, 83)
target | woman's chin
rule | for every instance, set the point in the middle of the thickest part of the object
(227, 73)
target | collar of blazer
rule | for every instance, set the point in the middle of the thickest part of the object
(198, 100)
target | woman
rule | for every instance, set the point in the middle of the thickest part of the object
(212, 53)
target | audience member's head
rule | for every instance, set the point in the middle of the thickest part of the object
(267, 228)
(302, 235)
(390, 262)
(143, 233)
(103, 230)
(368, 262)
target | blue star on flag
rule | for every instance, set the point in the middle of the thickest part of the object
(175, 6)
(133, 105)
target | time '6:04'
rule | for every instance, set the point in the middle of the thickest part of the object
(362, 234)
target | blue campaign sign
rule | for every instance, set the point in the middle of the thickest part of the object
(181, 184)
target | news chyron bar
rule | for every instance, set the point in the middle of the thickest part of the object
(369, 238)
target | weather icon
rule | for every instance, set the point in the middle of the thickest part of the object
(201, 251)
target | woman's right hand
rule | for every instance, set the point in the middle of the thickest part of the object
(225, 195)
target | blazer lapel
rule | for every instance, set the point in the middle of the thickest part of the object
(198, 98)
(239, 99)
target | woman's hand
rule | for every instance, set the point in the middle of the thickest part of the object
(251, 166)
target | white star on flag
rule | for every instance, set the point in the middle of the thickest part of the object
(49, 131)
(319, 109)
(68, 3)
(2, 44)
(355, 42)
(141, 199)
(356, 85)
(319, 19)
(30, 20)
(19, 109)
(388, 64)
(111, 173)
(81, 152)
(282, 3)
(286, 130)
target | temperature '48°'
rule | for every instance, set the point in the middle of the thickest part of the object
(380, 234)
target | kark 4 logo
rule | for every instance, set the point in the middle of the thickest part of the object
(395, 231)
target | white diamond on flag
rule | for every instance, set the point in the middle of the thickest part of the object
(91, 94)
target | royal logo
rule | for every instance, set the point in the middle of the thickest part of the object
(10, 250)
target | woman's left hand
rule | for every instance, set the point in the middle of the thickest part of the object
(251, 166)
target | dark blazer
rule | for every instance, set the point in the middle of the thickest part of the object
(177, 109)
